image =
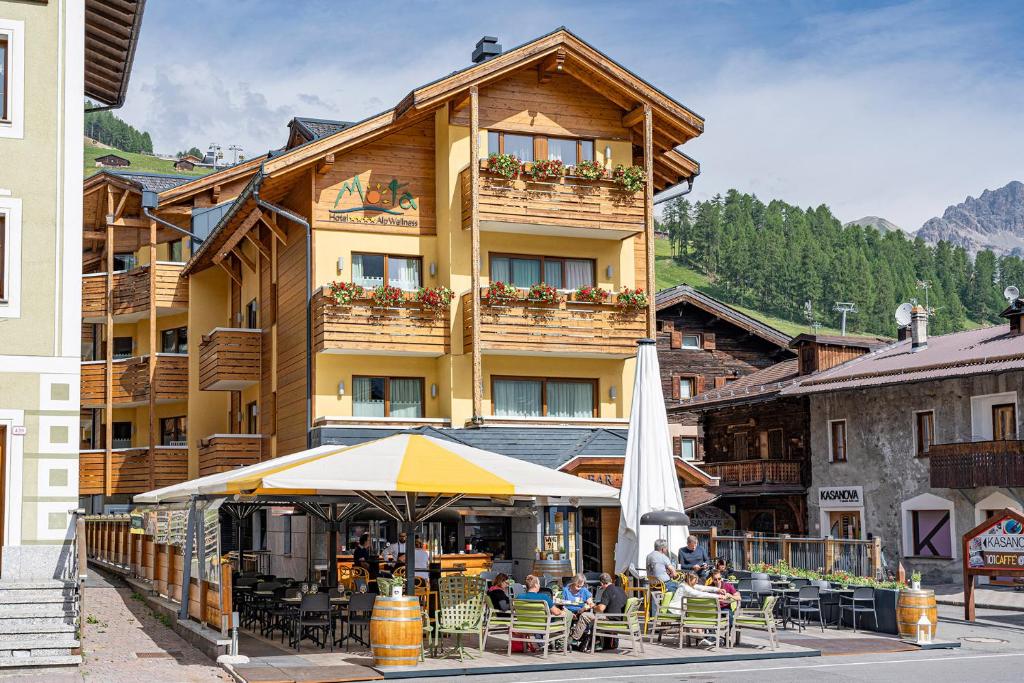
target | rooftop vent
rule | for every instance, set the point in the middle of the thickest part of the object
(918, 329)
(486, 48)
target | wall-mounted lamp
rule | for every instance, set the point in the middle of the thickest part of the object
(609, 272)
(433, 269)
(608, 156)
(341, 388)
(613, 392)
(433, 391)
(341, 264)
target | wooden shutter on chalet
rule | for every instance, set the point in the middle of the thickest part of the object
(675, 386)
(700, 383)
(677, 446)
(676, 339)
(719, 382)
(709, 341)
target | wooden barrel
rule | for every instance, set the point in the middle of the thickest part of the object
(396, 631)
(558, 568)
(909, 608)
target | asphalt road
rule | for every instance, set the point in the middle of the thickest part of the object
(991, 662)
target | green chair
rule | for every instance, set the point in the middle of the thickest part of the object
(704, 617)
(533, 622)
(666, 619)
(462, 609)
(625, 625)
(762, 617)
(428, 633)
(495, 622)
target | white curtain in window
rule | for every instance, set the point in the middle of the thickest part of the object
(500, 270)
(525, 272)
(360, 276)
(517, 398)
(570, 399)
(404, 273)
(406, 398)
(578, 273)
(364, 404)
(553, 273)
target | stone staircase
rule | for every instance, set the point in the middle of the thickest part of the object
(38, 624)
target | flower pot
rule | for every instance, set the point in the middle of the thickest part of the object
(915, 585)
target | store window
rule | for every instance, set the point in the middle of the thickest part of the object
(536, 397)
(371, 270)
(387, 397)
(526, 271)
(489, 535)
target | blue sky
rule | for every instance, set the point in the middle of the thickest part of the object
(895, 109)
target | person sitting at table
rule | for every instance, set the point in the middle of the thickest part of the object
(576, 595)
(732, 599)
(690, 588)
(720, 566)
(498, 595)
(660, 566)
(533, 592)
(613, 601)
(694, 558)
(361, 554)
(422, 566)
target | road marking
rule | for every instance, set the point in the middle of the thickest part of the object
(596, 675)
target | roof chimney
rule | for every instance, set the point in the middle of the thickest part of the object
(486, 48)
(903, 333)
(1014, 313)
(918, 328)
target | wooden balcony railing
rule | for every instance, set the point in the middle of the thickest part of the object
(229, 359)
(131, 380)
(591, 208)
(223, 452)
(570, 328)
(130, 293)
(131, 469)
(974, 464)
(755, 472)
(362, 327)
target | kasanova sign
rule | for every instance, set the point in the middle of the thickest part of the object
(840, 496)
(381, 204)
(993, 548)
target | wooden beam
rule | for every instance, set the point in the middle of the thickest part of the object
(259, 245)
(122, 222)
(550, 65)
(474, 183)
(274, 229)
(215, 194)
(94, 235)
(633, 117)
(649, 217)
(120, 207)
(460, 102)
(325, 165)
(108, 380)
(240, 255)
(239, 233)
(230, 271)
(152, 355)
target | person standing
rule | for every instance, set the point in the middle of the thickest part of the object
(694, 558)
(422, 564)
(397, 548)
(660, 566)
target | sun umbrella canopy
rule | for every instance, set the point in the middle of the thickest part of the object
(403, 463)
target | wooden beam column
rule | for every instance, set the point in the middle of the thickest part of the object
(474, 183)
(152, 354)
(649, 216)
(108, 378)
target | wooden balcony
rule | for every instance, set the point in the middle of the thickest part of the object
(754, 475)
(361, 327)
(566, 206)
(229, 359)
(131, 469)
(223, 452)
(568, 328)
(131, 380)
(130, 294)
(975, 464)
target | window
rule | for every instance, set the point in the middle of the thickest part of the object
(387, 397)
(1004, 422)
(5, 51)
(569, 151)
(123, 347)
(3, 256)
(510, 143)
(251, 317)
(776, 444)
(837, 431)
(174, 340)
(691, 341)
(172, 431)
(125, 261)
(740, 446)
(532, 397)
(252, 422)
(931, 533)
(286, 533)
(687, 387)
(688, 448)
(175, 251)
(122, 434)
(526, 271)
(489, 535)
(925, 429)
(12, 78)
(404, 272)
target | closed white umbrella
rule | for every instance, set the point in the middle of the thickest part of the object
(649, 480)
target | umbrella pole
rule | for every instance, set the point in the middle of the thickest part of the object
(410, 545)
(332, 549)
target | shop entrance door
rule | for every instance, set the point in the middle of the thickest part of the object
(844, 524)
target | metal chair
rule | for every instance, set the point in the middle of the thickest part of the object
(280, 616)
(619, 626)
(861, 602)
(808, 601)
(463, 603)
(759, 576)
(314, 616)
(800, 583)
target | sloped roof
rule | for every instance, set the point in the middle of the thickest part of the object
(958, 354)
(315, 129)
(111, 35)
(155, 182)
(858, 341)
(672, 296)
(757, 386)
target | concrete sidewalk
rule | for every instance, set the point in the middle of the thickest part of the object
(991, 597)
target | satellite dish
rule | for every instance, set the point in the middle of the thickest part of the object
(903, 314)
(1011, 293)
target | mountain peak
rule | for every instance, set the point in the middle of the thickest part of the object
(995, 221)
(880, 224)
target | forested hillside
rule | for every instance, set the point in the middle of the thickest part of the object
(110, 130)
(775, 257)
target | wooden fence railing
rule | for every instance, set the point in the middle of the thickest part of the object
(111, 545)
(826, 555)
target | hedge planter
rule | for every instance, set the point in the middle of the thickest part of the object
(885, 607)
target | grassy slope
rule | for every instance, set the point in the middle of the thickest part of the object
(140, 162)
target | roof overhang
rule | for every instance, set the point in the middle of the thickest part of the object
(581, 465)
(111, 36)
(685, 294)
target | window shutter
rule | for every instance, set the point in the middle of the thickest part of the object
(709, 341)
(677, 446)
(677, 339)
(700, 384)
(719, 382)
(675, 387)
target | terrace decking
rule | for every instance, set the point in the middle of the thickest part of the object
(130, 380)
(129, 296)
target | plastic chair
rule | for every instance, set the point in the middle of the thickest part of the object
(800, 583)
(704, 616)
(619, 626)
(762, 617)
(532, 622)
(861, 602)
(360, 608)
(759, 576)
(808, 601)
(314, 616)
